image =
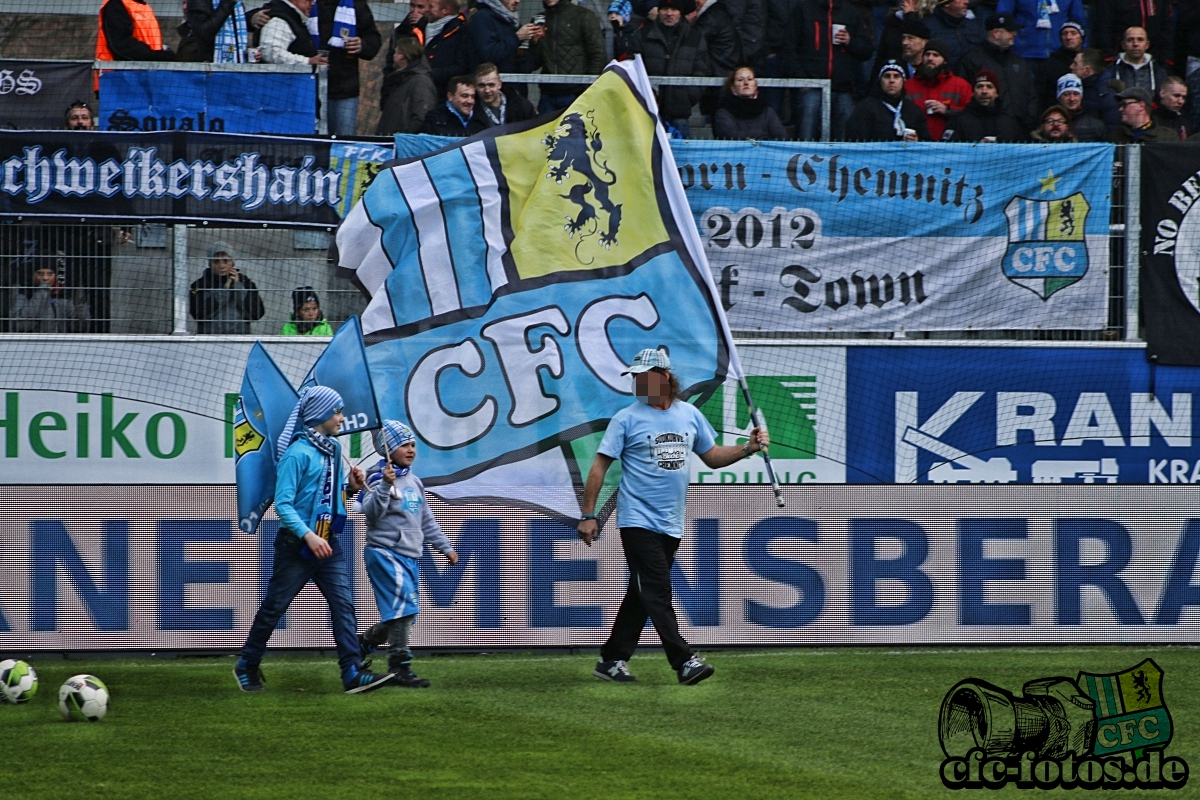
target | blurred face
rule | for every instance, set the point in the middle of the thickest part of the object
(43, 276)
(985, 93)
(1001, 38)
(956, 8)
(463, 99)
(892, 83)
(80, 119)
(1054, 127)
(669, 16)
(404, 455)
(437, 11)
(1135, 44)
(1134, 113)
(933, 60)
(744, 83)
(487, 89)
(1080, 68)
(1071, 100)
(309, 312)
(653, 387)
(398, 60)
(1071, 38)
(1173, 96)
(419, 7)
(511, 5)
(911, 46)
(330, 426)
(302, 5)
(221, 264)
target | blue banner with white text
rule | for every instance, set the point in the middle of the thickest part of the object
(219, 102)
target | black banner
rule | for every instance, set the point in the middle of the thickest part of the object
(35, 95)
(1170, 249)
(224, 179)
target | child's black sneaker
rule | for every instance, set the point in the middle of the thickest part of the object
(694, 670)
(410, 680)
(249, 676)
(616, 670)
(365, 681)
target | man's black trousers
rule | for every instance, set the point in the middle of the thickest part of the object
(649, 555)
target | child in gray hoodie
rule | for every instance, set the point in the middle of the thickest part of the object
(399, 524)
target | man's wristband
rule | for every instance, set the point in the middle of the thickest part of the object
(582, 517)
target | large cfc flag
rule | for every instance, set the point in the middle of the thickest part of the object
(513, 276)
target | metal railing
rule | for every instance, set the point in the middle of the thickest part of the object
(675, 80)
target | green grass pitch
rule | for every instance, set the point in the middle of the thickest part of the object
(804, 723)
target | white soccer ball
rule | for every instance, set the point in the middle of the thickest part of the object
(83, 697)
(18, 681)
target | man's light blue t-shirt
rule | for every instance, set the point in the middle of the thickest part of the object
(654, 447)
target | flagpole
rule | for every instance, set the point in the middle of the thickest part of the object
(760, 421)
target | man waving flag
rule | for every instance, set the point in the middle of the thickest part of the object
(513, 277)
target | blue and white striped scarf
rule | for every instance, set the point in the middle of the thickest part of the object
(233, 40)
(345, 25)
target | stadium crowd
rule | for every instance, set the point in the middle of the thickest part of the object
(918, 70)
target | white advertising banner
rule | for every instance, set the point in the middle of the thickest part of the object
(166, 567)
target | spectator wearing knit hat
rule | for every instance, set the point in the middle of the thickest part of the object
(1058, 63)
(1055, 127)
(885, 115)
(1086, 127)
(937, 90)
(1040, 22)
(307, 318)
(829, 39)
(671, 46)
(984, 119)
(223, 300)
(1018, 93)
(903, 41)
(955, 24)
(1137, 123)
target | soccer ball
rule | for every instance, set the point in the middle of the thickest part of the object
(18, 681)
(83, 697)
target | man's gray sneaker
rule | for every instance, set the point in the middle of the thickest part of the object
(694, 670)
(616, 670)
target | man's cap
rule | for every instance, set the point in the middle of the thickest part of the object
(914, 27)
(685, 7)
(986, 75)
(1074, 25)
(647, 360)
(1006, 21)
(1068, 83)
(1137, 93)
(938, 46)
(1055, 110)
(893, 66)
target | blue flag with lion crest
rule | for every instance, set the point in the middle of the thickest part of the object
(514, 275)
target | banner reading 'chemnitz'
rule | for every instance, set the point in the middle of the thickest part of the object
(180, 176)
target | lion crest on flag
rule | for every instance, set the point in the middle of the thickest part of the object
(573, 147)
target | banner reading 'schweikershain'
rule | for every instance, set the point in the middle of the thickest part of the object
(513, 277)
(183, 176)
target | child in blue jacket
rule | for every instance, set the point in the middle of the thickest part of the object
(309, 499)
(399, 525)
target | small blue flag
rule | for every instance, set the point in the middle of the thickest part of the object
(343, 367)
(263, 409)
